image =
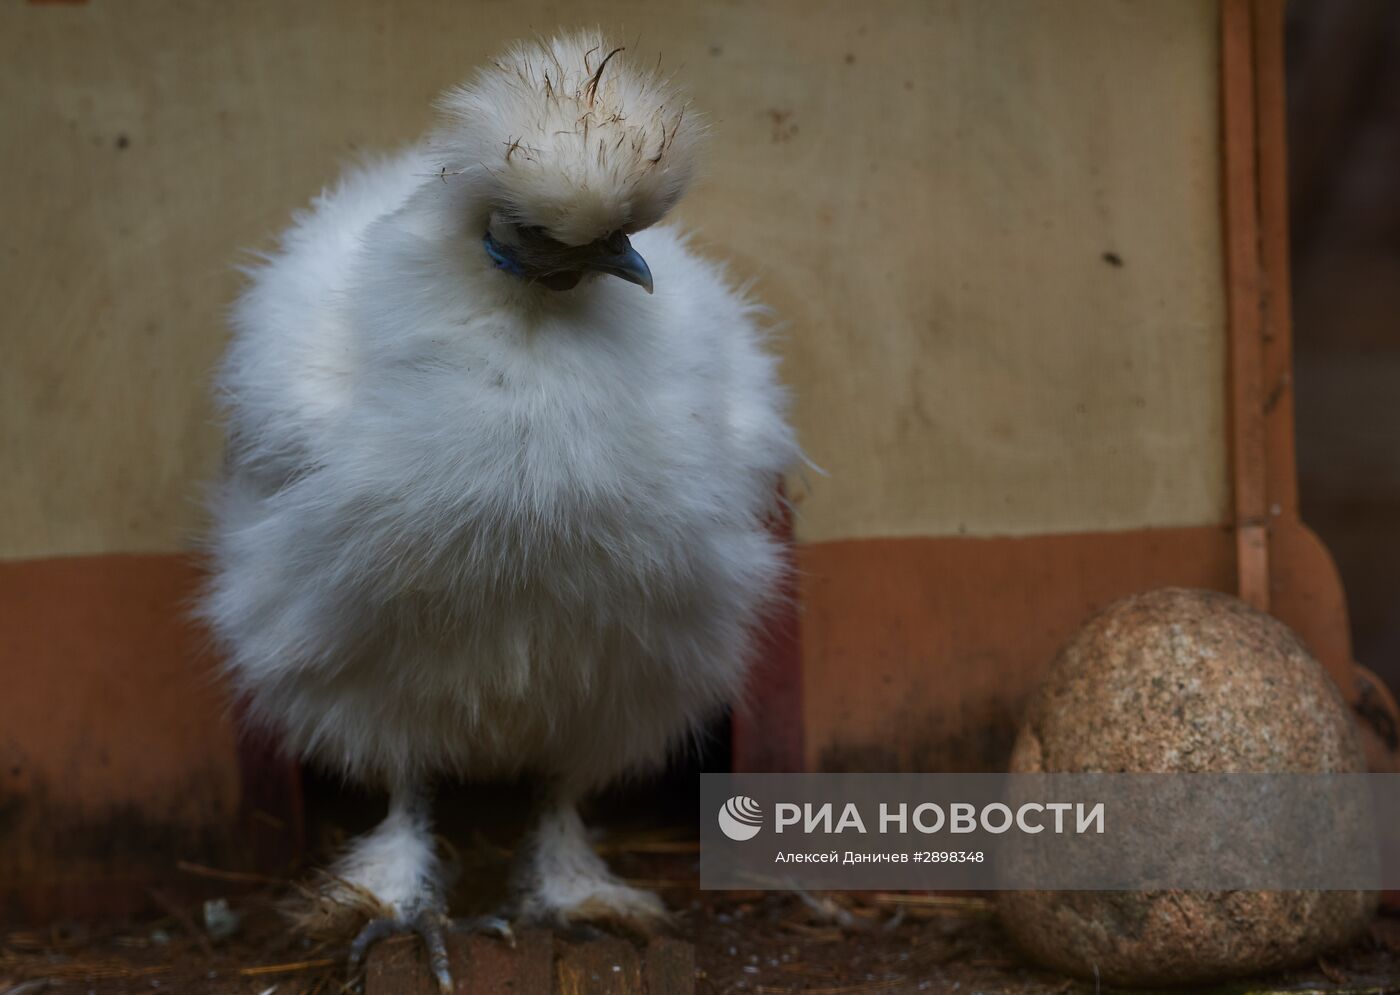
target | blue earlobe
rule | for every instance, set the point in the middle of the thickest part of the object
(501, 256)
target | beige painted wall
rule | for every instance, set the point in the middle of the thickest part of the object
(924, 191)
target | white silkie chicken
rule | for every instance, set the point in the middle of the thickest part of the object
(492, 506)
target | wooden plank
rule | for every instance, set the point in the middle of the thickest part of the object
(485, 965)
(670, 967)
(1270, 87)
(481, 965)
(608, 966)
(1305, 587)
(536, 965)
(398, 966)
(1248, 468)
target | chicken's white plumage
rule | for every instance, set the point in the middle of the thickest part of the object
(488, 509)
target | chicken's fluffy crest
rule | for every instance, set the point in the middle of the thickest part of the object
(572, 137)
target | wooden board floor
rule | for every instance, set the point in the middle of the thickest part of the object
(538, 963)
(729, 943)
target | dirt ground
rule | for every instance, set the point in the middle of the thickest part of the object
(762, 943)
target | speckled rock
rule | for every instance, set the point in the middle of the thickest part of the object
(1182, 680)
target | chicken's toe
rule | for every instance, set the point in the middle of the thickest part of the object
(497, 926)
(428, 925)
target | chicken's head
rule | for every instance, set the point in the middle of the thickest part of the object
(569, 149)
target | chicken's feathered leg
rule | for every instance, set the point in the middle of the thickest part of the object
(390, 881)
(559, 880)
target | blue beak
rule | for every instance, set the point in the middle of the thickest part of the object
(625, 263)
